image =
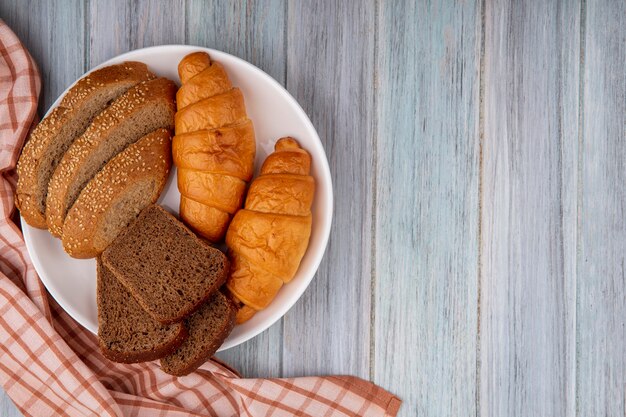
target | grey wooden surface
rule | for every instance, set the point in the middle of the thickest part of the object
(529, 209)
(478, 153)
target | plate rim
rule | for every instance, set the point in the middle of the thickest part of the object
(325, 172)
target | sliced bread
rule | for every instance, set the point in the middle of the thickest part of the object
(208, 328)
(167, 268)
(127, 184)
(52, 137)
(142, 109)
(126, 332)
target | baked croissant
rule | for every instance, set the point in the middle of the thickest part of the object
(214, 146)
(267, 239)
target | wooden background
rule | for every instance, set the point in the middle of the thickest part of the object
(476, 265)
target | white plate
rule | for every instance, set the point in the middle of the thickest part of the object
(275, 113)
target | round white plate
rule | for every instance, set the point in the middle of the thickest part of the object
(275, 114)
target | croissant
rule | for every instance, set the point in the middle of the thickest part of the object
(214, 146)
(267, 239)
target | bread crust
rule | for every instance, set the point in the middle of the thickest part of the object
(78, 156)
(250, 283)
(219, 281)
(281, 194)
(45, 137)
(147, 159)
(211, 349)
(268, 238)
(192, 64)
(135, 357)
(220, 191)
(214, 147)
(209, 222)
(213, 112)
(227, 150)
(276, 242)
(244, 312)
(210, 81)
(163, 348)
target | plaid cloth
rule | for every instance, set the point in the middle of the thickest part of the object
(50, 365)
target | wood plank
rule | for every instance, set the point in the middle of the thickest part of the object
(157, 22)
(427, 188)
(118, 26)
(529, 209)
(330, 62)
(253, 31)
(50, 34)
(601, 291)
(110, 25)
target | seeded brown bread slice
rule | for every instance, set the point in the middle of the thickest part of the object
(51, 138)
(126, 332)
(208, 328)
(127, 184)
(142, 109)
(167, 268)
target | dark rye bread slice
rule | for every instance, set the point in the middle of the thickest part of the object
(167, 268)
(127, 184)
(142, 109)
(208, 328)
(126, 333)
(51, 138)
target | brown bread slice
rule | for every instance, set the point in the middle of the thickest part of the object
(167, 268)
(142, 109)
(52, 137)
(127, 184)
(208, 328)
(126, 332)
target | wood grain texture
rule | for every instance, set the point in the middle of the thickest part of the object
(110, 24)
(601, 291)
(528, 279)
(427, 205)
(54, 34)
(157, 22)
(253, 31)
(466, 286)
(330, 71)
(118, 26)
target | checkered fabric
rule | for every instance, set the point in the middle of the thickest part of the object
(50, 365)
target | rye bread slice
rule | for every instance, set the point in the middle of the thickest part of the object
(142, 109)
(53, 136)
(167, 268)
(208, 328)
(127, 184)
(126, 333)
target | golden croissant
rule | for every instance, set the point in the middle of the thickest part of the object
(214, 146)
(267, 239)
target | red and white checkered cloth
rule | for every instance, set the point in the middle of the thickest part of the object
(50, 365)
